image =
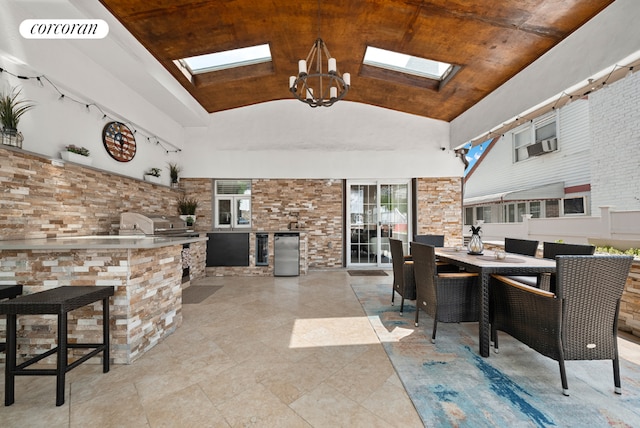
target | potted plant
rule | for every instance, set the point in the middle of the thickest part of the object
(11, 110)
(187, 208)
(73, 153)
(190, 220)
(153, 175)
(174, 170)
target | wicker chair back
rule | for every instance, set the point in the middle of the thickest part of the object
(553, 249)
(525, 247)
(591, 288)
(403, 277)
(435, 240)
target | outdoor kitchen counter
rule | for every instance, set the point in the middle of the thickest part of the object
(145, 271)
(99, 242)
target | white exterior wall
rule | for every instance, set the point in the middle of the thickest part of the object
(615, 132)
(498, 172)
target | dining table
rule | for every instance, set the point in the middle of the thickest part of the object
(486, 264)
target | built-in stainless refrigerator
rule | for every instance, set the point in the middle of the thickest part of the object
(286, 257)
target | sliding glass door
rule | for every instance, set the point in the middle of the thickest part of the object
(376, 211)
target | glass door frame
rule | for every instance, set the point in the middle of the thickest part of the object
(382, 251)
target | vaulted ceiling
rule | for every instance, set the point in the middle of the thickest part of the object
(490, 40)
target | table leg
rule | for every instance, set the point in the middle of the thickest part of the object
(10, 362)
(62, 358)
(105, 335)
(484, 327)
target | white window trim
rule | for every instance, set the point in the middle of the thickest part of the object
(234, 208)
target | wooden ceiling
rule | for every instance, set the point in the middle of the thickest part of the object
(491, 41)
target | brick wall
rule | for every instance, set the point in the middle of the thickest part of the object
(615, 130)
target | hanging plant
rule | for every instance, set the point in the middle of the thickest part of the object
(12, 109)
(174, 171)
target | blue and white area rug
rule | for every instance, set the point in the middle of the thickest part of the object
(451, 385)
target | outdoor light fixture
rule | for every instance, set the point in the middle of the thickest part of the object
(316, 85)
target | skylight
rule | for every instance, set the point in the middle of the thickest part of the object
(403, 63)
(227, 59)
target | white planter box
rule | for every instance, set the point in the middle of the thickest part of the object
(153, 179)
(75, 158)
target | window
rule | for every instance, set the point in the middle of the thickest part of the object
(468, 216)
(534, 140)
(232, 203)
(520, 142)
(225, 59)
(552, 208)
(535, 209)
(408, 64)
(483, 213)
(510, 213)
(573, 206)
(521, 210)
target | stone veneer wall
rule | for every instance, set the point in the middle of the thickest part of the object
(629, 319)
(316, 205)
(198, 259)
(145, 309)
(439, 208)
(42, 200)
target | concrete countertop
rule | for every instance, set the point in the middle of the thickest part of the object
(98, 242)
(255, 231)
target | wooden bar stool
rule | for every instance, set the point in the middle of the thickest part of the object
(9, 292)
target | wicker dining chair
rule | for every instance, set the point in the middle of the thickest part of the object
(435, 240)
(446, 297)
(526, 247)
(578, 322)
(403, 279)
(552, 249)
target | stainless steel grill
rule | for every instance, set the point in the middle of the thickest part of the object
(156, 225)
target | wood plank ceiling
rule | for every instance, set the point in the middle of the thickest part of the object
(491, 41)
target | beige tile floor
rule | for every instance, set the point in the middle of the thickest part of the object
(273, 352)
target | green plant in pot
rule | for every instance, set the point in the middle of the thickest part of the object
(187, 209)
(82, 151)
(174, 171)
(11, 110)
(155, 172)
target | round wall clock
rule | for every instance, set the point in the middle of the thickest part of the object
(119, 141)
